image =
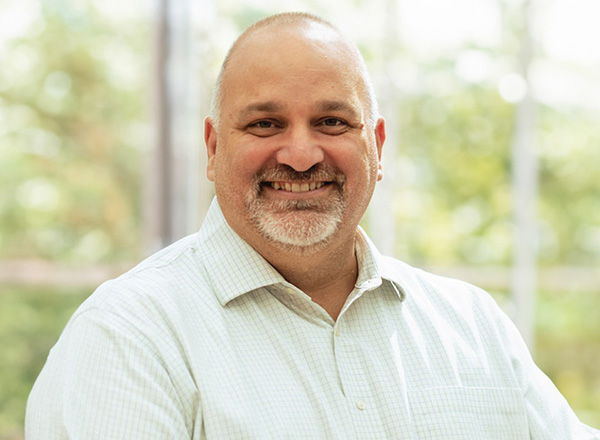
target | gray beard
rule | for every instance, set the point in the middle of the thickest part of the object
(297, 225)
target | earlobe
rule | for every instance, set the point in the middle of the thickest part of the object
(210, 139)
(379, 172)
(379, 141)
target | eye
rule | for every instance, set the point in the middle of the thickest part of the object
(263, 127)
(333, 126)
(263, 124)
(333, 122)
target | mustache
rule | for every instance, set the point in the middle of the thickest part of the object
(318, 172)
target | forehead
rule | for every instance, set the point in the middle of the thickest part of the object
(291, 62)
(301, 38)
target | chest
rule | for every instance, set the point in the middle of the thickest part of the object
(273, 371)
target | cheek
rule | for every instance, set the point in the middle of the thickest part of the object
(246, 157)
(234, 173)
(364, 177)
(365, 166)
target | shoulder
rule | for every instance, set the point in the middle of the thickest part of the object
(445, 296)
(131, 334)
(436, 284)
(160, 291)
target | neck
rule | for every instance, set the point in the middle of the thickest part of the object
(327, 275)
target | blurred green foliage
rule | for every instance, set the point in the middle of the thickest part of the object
(568, 348)
(30, 322)
(454, 203)
(72, 105)
(454, 151)
(569, 150)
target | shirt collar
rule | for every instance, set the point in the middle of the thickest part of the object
(374, 267)
(235, 268)
(232, 265)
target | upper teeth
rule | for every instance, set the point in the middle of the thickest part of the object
(297, 187)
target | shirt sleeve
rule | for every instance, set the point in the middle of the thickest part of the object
(550, 416)
(105, 379)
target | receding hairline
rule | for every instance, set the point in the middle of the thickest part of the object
(283, 19)
(289, 20)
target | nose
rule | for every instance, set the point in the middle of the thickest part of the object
(300, 150)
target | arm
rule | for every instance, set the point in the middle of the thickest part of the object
(105, 379)
(550, 416)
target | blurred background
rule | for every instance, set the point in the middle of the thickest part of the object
(491, 165)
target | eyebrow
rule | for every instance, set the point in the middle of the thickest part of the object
(335, 106)
(267, 107)
(322, 106)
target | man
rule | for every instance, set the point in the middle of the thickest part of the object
(280, 319)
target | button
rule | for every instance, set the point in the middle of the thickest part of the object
(360, 404)
(337, 331)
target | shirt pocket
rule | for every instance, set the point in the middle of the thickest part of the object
(463, 413)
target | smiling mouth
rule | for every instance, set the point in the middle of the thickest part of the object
(296, 187)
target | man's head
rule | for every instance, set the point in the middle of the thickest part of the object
(294, 143)
(289, 20)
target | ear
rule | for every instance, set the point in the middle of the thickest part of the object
(379, 140)
(210, 139)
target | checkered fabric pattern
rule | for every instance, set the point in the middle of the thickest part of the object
(206, 340)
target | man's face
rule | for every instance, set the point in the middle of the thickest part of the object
(294, 160)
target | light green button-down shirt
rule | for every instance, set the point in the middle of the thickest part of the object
(206, 340)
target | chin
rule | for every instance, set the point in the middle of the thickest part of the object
(302, 232)
(299, 249)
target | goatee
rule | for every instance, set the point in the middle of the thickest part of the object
(302, 225)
